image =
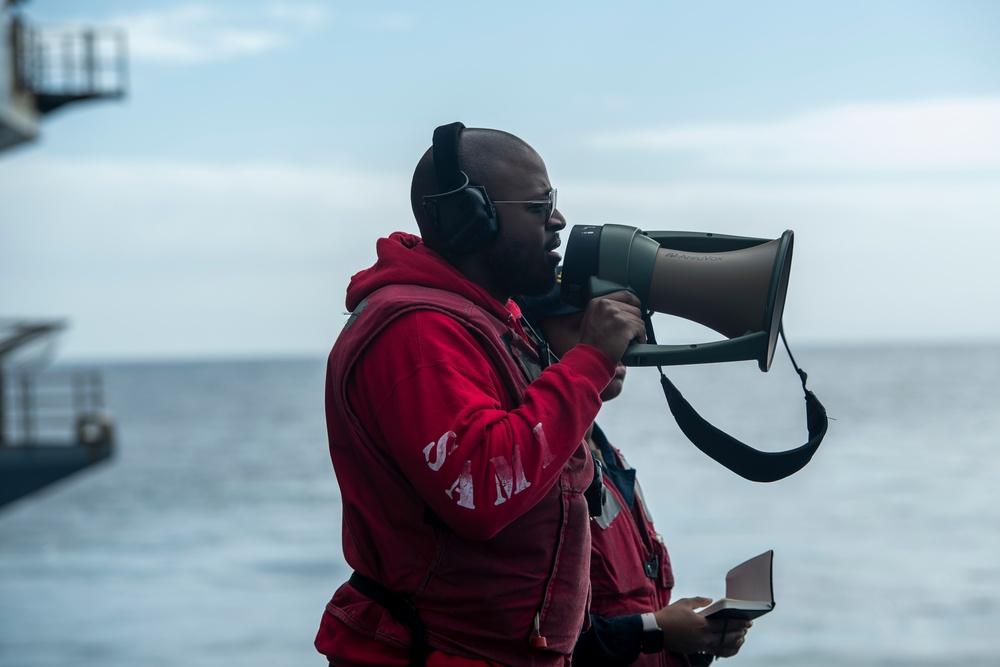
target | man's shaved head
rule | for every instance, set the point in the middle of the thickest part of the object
(485, 157)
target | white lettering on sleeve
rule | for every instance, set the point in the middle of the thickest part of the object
(521, 481)
(441, 451)
(504, 479)
(547, 457)
(509, 482)
(464, 486)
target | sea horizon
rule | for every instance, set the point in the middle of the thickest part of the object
(213, 534)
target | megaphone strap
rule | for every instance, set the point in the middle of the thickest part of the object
(745, 461)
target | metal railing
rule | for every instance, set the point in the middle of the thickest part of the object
(53, 407)
(62, 65)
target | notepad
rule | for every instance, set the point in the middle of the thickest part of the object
(749, 590)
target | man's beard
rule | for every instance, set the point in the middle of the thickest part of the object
(504, 265)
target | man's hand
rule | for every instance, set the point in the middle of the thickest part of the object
(685, 631)
(733, 638)
(611, 322)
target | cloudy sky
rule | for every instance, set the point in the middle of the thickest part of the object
(222, 207)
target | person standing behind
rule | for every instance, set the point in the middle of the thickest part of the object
(632, 620)
(461, 463)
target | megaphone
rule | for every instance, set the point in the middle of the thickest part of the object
(734, 285)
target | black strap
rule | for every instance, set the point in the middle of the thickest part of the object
(745, 461)
(402, 610)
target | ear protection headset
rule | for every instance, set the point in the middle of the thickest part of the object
(462, 214)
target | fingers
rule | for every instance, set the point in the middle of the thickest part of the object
(718, 626)
(730, 642)
(686, 631)
(624, 296)
(694, 603)
(629, 310)
(729, 649)
(610, 323)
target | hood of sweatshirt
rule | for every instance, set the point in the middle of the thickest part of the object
(403, 259)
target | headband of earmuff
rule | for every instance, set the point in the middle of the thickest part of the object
(462, 214)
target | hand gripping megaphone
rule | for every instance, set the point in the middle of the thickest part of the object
(734, 285)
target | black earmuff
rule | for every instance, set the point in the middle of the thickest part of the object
(462, 214)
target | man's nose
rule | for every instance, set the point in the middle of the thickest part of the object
(557, 221)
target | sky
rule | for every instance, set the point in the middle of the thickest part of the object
(263, 147)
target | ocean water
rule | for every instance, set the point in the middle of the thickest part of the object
(213, 537)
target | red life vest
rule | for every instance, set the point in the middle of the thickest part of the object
(477, 598)
(630, 566)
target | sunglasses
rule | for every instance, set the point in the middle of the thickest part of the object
(549, 203)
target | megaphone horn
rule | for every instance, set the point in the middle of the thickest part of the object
(734, 285)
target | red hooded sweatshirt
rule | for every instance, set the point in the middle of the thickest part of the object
(462, 486)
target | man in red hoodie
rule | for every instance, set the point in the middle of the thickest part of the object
(462, 465)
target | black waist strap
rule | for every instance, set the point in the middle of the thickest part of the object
(402, 610)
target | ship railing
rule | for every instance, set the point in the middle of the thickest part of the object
(63, 65)
(54, 407)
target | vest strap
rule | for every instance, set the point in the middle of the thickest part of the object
(401, 609)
